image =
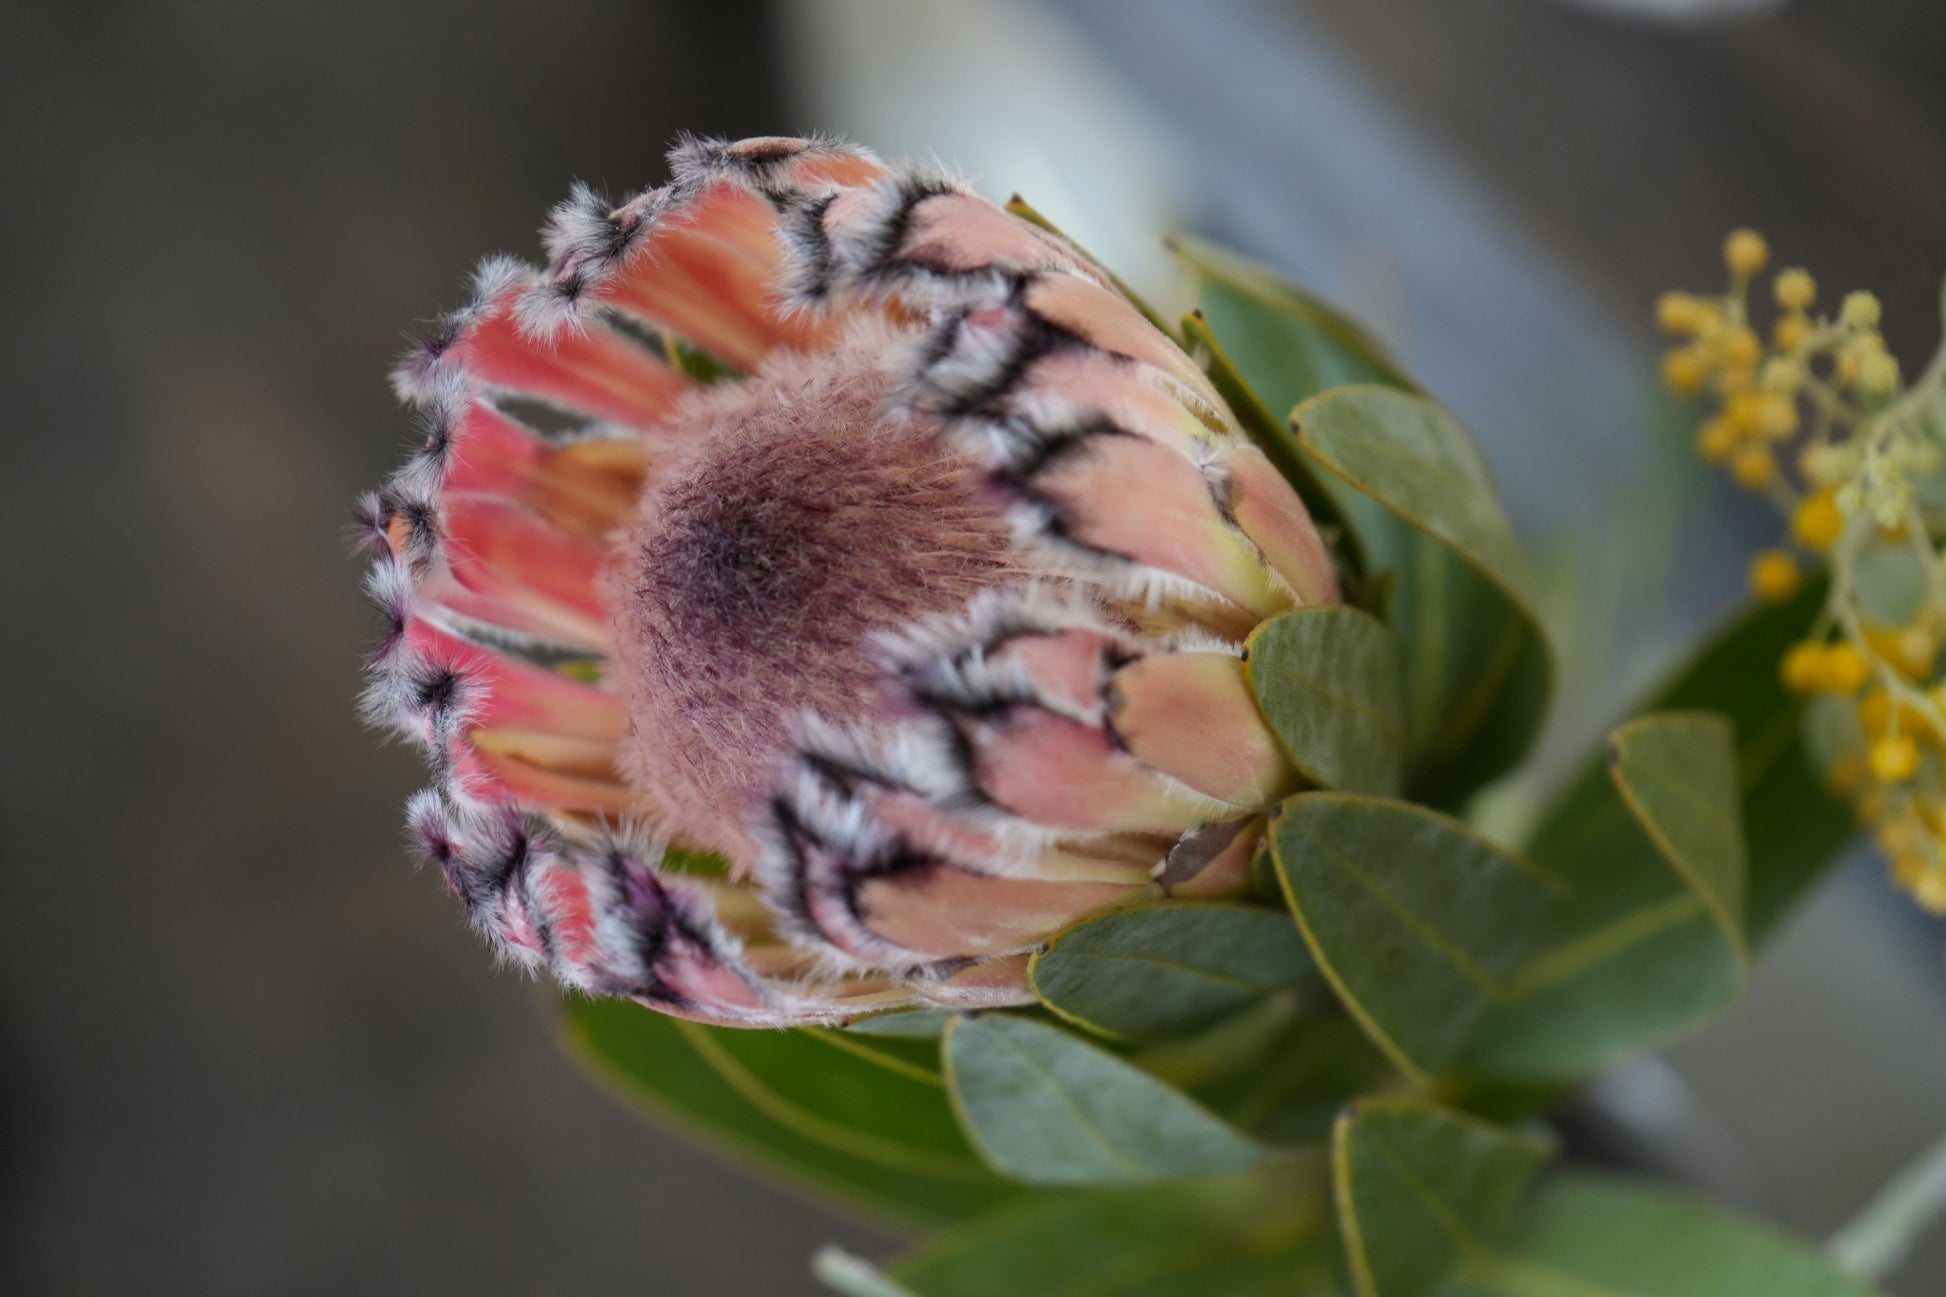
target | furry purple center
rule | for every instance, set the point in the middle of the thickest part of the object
(801, 526)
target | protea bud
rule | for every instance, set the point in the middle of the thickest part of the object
(828, 519)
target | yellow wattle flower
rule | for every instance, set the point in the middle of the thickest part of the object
(1830, 400)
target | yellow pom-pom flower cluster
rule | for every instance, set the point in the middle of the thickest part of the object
(1820, 420)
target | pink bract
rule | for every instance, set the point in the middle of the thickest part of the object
(922, 610)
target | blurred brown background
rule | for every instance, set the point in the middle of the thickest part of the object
(245, 1049)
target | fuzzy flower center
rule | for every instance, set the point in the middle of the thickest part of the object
(800, 526)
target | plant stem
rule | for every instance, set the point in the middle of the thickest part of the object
(1874, 1241)
(842, 1272)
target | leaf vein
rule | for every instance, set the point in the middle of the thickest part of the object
(1463, 963)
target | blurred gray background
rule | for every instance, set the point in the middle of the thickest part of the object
(244, 1048)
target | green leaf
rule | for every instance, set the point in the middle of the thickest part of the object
(1428, 1203)
(1418, 924)
(1412, 456)
(866, 1097)
(921, 1024)
(1648, 938)
(1290, 344)
(1597, 1237)
(841, 1125)
(1048, 1108)
(1420, 1187)
(1794, 826)
(1267, 345)
(1478, 670)
(1678, 773)
(1254, 1235)
(1281, 1072)
(1156, 971)
(1330, 683)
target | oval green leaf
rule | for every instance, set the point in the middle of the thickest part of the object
(1418, 923)
(1678, 773)
(1420, 1187)
(899, 1164)
(1429, 1202)
(858, 1096)
(910, 1024)
(1258, 1234)
(1793, 826)
(1046, 1107)
(1590, 1236)
(1330, 682)
(1648, 939)
(1411, 455)
(1157, 971)
(1478, 670)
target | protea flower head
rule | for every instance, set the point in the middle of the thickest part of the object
(825, 518)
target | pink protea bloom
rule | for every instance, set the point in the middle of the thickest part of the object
(922, 610)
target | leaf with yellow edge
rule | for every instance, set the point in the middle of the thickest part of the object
(1648, 939)
(1419, 1186)
(1477, 665)
(1430, 1205)
(1330, 683)
(1264, 1233)
(1046, 1107)
(856, 1133)
(1418, 923)
(1152, 972)
(1592, 1236)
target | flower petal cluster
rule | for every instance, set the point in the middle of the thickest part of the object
(816, 586)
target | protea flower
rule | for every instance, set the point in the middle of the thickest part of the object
(824, 518)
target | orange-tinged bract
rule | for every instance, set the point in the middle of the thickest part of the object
(821, 516)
